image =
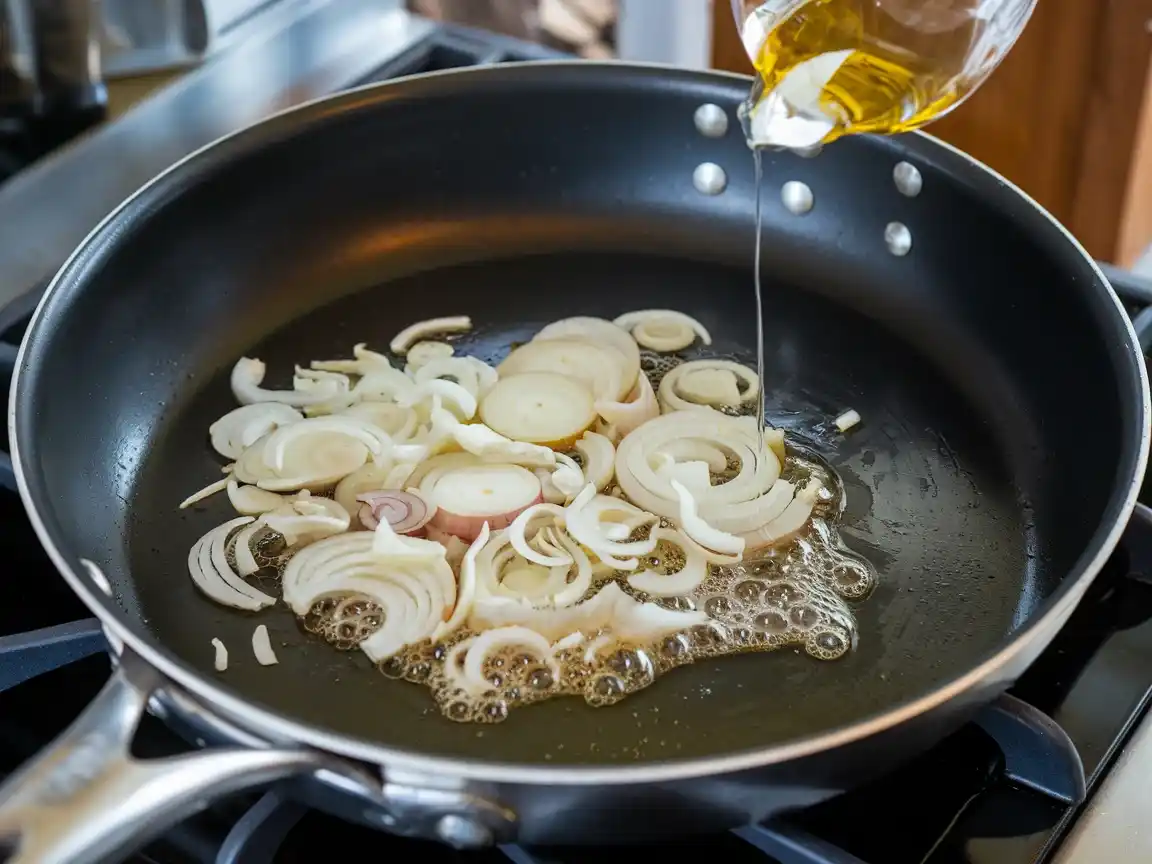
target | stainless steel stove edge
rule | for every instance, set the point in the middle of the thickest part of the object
(304, 49)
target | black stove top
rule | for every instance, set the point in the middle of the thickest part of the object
(1003, 790)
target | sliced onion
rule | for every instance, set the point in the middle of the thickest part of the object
(220, 656)
(610, 608)
(502, 572)
(207, 492)
(248, 373)
(262, 647)
(416, 592)
(466, 593)
(397, 421)
(472, 495)
(454, 548)
(663, 329)
(522, 525)
(241, 427)
(694, 450)
(313, 453)
(252, 500)
(568, 477)
(539, 408)
(414, 333)
(685, 580)
(469, 675)
(548, 490)
(306, 519)
(450, 392)
(425, 352)
(475, 376)
(366, 363)
(596, 365)
(491, 446)
(640, 407)
(708, 384)
(794, 517)
(599, 458)
(213, 575)
(600, 330)
(699, 530)
(585, 517)
(246, 563)
(406, 512)
(734, 507)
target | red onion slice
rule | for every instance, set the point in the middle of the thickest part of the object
(404, 511)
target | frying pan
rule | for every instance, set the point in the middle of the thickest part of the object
(1005, 432)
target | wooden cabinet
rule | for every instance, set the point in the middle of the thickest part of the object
(1064, 117)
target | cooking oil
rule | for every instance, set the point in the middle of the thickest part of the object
(829, 68)
(799, 595)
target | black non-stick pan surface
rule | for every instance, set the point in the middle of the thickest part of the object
(999, 391)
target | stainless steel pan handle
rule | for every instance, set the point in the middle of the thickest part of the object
(86, 799)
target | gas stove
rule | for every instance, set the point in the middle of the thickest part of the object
(1050, 773)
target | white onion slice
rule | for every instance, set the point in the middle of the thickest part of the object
(464, 665)
(475, 376)
(414, 333)
(539, 408)
(211, 573)
(246, 563)
(277, 447)
(406, 512)
(450, 392)
(305, 519)
(517, 534)
(735, 506)
(794, 517)
(585, 517)
(425, 352)
(663, 329)
(599, 458)
(699, 530)
(596, 365)
(640, 407)
(220, 656)
(694, 450)
(568, 477)
(262, 647)
(610, 608)
(207, 492)
(599, 330)
(248, 373)
(466, 592)
(471, 495)
(397, 421)
(708, 384)
(366, 363)
(685, 580)
(416, 590)
(241, 427)
(491, 446)
(252, 500)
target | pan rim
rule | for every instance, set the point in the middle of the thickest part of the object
(267, 724)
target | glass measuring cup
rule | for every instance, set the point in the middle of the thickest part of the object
(829, 68)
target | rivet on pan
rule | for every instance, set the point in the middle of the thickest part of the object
(97, 576)
(711, 120)
(898, 238)
(810, 152)
(908, 179)
(462, 833)
(709, 178)
(797, 197)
